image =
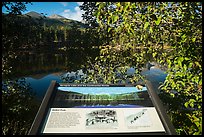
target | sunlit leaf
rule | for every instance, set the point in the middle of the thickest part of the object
(109, 29)
(146, 25)
(158, 20)
(193, 39)
(150, 29)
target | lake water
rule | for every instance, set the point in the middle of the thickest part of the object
(40, 69)
(41, 85)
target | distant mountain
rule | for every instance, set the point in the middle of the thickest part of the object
(55, 16)
(34, 14)
(54, 20)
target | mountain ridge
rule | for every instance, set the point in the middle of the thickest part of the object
(53, 16)
(34, 14)
(56, 16)
(54, 19)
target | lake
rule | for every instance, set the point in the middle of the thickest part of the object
(39, 69)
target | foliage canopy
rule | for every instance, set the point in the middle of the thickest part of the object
(166, 32)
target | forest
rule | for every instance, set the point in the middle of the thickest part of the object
(125, 34)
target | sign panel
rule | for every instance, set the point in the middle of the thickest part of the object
(100, 109)
(102, 120)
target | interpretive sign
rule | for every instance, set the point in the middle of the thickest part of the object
(99, 109)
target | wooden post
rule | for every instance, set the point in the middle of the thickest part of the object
(160, 109)
(43, 109)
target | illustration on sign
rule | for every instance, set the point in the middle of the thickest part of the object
(101, 119)
(79, 97)
(137, 118)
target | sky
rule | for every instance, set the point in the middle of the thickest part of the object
(69, 10)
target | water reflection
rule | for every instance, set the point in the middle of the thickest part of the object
(41, 85)
(39, 69)
(155, 75)
(31, 64)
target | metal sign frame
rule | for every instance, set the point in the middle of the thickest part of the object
(51, 93)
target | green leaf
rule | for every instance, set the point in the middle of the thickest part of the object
(172, 94)
(96, 58)
(125, 8)
(98, 14)
(150, 29)
(109, 29)
(186, 104)
(154, 54)
(114, 18)
(146, 25)
(198, 64)
(183, 36)
(158, 20)
(181, 82)
(180, 60)
(193, 39)
(191, 102)
(118, 4)
(185, 68)
(97, 3)
(101, 5)
(200, 82)
(169, 62)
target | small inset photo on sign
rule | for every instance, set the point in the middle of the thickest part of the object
(101, 119)
(137, 118)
